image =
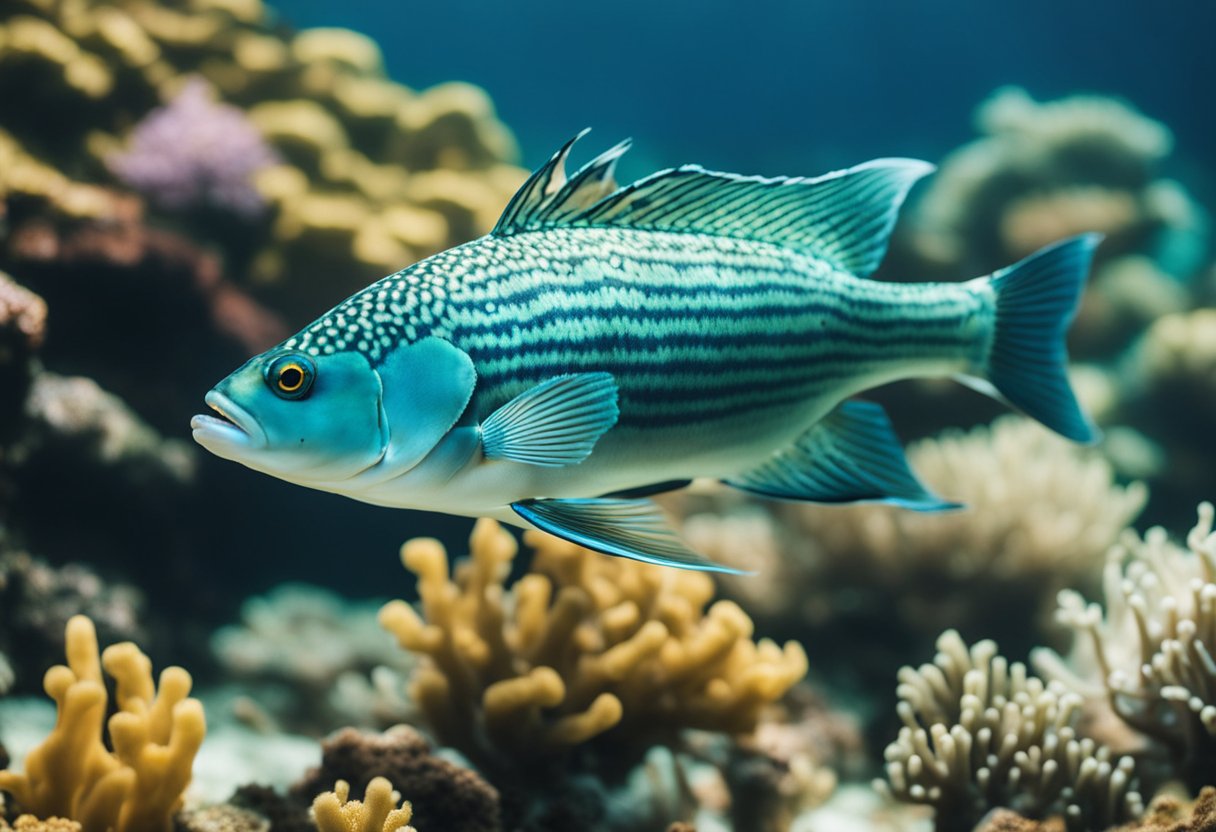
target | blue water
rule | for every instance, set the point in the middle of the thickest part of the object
(792, 86)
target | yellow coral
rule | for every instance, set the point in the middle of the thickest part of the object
(334, 812)
(29, 823)
(155, 734)
(581, 645)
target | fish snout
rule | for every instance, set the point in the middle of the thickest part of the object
(234, 428)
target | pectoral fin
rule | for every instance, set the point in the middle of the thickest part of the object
(633, 529)
(852, 455)
(554, 424)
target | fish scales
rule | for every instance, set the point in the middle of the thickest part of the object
(692, 327)
(607, 343)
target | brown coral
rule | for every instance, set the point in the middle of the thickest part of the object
(582, 645)
(155, 734)
(1169, 814)
(448, 796)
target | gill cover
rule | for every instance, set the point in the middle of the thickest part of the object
(427, 386)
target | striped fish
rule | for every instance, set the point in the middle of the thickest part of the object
(606, 343)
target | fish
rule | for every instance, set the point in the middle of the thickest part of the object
(606, 343)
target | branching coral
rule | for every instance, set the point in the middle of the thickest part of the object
(335, 812)
(979, 732)
(155, 734)
(1039, 515)
(1150, 654)
(581, 646)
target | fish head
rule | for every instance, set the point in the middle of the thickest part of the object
(321, 419)
(308, 418)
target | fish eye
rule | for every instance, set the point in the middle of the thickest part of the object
(291, 376)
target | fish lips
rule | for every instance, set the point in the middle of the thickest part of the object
(236, 431)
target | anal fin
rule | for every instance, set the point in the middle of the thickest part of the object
(852, 455)
(634, 529)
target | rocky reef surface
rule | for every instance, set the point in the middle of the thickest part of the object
(182, 183)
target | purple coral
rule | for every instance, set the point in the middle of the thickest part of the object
(196, 152)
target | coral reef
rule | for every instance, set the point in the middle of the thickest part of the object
(321, 660)
(335, 812)
(447, 796)
(155, 734)
(373, 175)
(582, 646)
(1039, 515)
(979, 732)
(1148, 656)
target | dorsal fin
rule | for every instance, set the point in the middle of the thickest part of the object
(844, 217)
(548, 199)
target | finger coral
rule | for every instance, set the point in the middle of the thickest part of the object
(137, 786)
(335, 812)
(581, 646)
(980, 733)
(1149, 655)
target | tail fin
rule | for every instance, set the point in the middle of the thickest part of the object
(1036, 300)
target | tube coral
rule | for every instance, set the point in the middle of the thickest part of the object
(138, 785)
(1149, 656)
(980, 733)
(580, 646)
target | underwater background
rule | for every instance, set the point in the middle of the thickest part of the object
(183, 184)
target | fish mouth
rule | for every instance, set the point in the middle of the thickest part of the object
(233, 428)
